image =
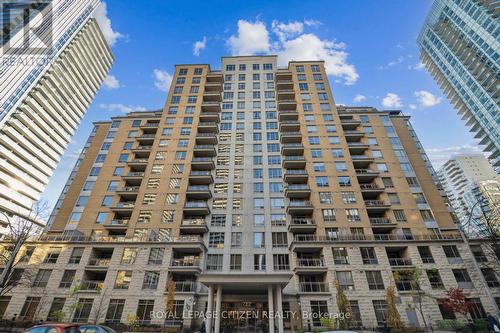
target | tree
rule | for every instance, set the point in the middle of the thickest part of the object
(343, 306)
(456, 301)
(21, 229)
(170, 296)
(391, 314)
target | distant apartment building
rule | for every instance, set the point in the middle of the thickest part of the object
(53, 60)
(471, 185)
(459, 46)
(250, 191)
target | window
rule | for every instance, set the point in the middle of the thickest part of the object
(478, 253)
(369, 256)
(435, 279)
(490, 277)
(425, 254)
(101, 217)
(122, 280)
(216, 240)
(236, 239)
(322, 181)
(319, 167)
(150, 280)
(258, 240)
(345, 280)
(348, 197)
(340, 166)
(328, 215)
(56, 306)
(319, 309)
(451, 252)
(394, 198)
(387, 182)
(281, 262)
(214, 262)
(30, 308)
(380, 307)
(218, 220)
(115, 311)
(52, 255)
(42, 278)
(279, 239)
(156, 256)
(118, 171)
(82, 201)
(277, 203)
(344, 181)
(67, 278)
(340, 256)
(399, 214)
(353, 215)
(144, 310)
(463, 279)
(325, 197)
(337, 153)
(235, 262)
(259, 262)
(129, 255)
(258, 203)
(476, 310)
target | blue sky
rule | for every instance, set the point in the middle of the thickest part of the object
(370, 48)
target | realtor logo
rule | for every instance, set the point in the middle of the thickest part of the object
(18, 16)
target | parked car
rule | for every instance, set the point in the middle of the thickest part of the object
(54, 328)
(96, 329)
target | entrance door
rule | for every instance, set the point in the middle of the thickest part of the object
(412, 317)
(243, 317)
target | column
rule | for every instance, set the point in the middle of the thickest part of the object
(279, 310)
(270, 304)
(218, 303)
(210, 308)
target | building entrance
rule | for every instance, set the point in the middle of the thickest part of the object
(244, 317)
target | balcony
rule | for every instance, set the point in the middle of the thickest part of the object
(400, 262)
(206, 138)
(357, 147)
(198, 207)
(310, 265)
(287, 105)
(99, 262)
(202, 163)
(291, 137)
(294, 162)
(212, 96)
(313, 287)
(201, 177)
(186, 287)
(199, 192)
(303, 225)
(122, 206)
(138, 162)
(377, 205)
(366, 175)
(215, 77)
(288, 115)
(208, 127)
(209, 117)
(406, 286)
(283, 76)
(349, 123)
(361, 161)
(146, 137)
(292, 149)
(128, 193)
(198, 226)
(285, 83)
(371, 188)
(299, 207)
(185, 265)
(189, 243)
(213, 87)
(90, 286)
(210, 107)
(297, 191)
(286, 94)
(289, 126)
(296, 176)
(381, 221)
(353, 135)
(204, 151)
(142, 148)
(116, 224)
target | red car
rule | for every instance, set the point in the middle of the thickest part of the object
(54, 328)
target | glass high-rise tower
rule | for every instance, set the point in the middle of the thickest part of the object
(54, 58)
(460, 47)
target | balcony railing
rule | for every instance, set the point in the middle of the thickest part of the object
(370, 187)
(303, 221)
(118, 222)
(406, 286)
(298, 187)
(208, 123)
(196, 204)
(195, 188)
(308, 238)
(366, 171)
(379, 220)
(300, 203)
(400, 261)
(310, 262)
(128, 204)
(204, 147)
(185, 262)
(375, 203)
(128, 189)
(185, 286)
(296, 172)
(294, 158)
(99, 262)
(194, 222)
(91, 285)
(200, 173)
(134, 174)
(313, 287)
(202, 159)
(139, 160)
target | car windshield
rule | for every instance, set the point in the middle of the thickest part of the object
(71, 330)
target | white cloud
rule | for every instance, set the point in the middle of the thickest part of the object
(111, 82)
(312, 23)
(412, 106)
(121, 107)
(101, 16)
(427, 99)
(440, 156)
(252, 38)
(392, 100)
(392, 63)
(163, 79)
(199, 45)
(293, 44)
(311, 47)
(359, 98)
(287, 30)
(418, 67)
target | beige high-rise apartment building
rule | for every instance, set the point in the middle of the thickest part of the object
(250, 191)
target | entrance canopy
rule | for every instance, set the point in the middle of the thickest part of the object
(244, 283)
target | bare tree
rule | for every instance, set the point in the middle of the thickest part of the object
(21, 229)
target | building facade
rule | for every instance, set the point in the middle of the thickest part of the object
(459, 47)
(250, 191)
(49, 77)
(467, 181)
